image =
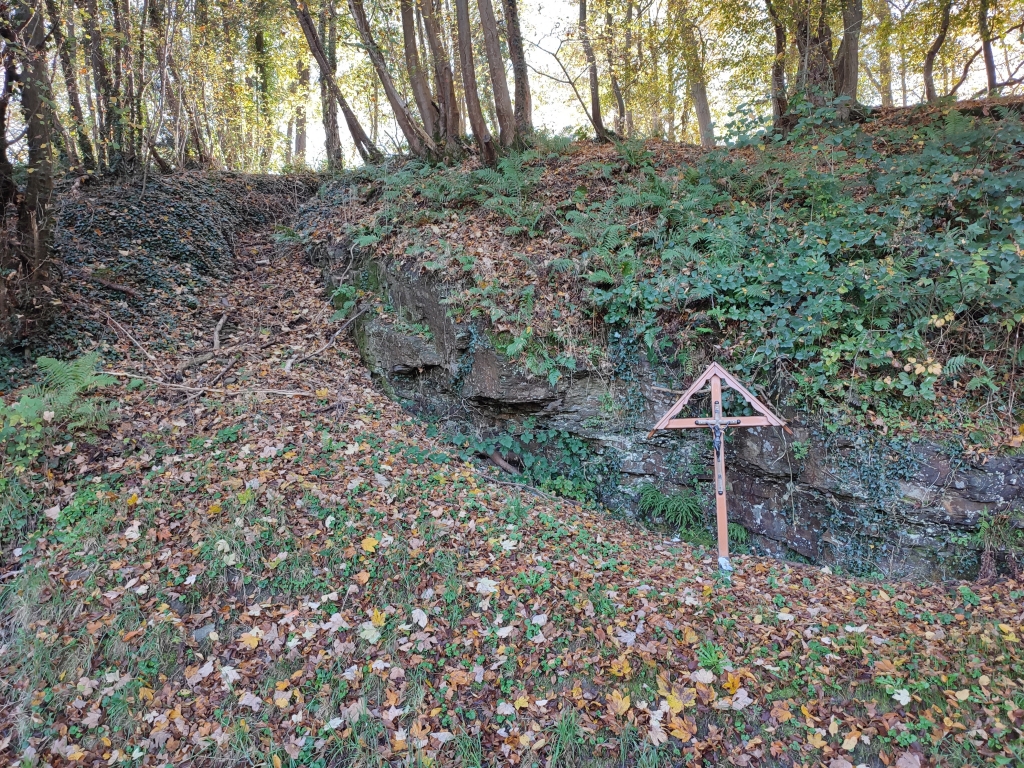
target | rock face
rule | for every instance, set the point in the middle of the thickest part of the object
(849, 499)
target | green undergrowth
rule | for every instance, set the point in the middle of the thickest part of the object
(41, 427)
(872, 271)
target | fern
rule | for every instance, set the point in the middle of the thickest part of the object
(681, 510)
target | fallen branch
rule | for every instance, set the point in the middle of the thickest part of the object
(216, 331)
(499, 461)
(204, 358)
(524, 486)
(218, 377)
(182, 387)
(330, 341)
(112, 285)
(134, 341)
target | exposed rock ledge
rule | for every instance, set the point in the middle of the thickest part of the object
(854, 500)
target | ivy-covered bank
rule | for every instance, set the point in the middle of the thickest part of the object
(865, 278)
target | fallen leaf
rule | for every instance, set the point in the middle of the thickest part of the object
(618, 703)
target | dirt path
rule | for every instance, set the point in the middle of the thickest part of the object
(239, 576)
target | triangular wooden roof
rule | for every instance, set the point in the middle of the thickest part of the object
(729, 380)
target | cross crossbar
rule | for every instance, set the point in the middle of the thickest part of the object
(718, 423)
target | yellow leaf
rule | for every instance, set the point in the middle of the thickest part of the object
(362, 577)
(620, 667)
(833, 727)
(277, 761)
(618, 703)
(133, 500)
(323, 392)
(370, 544)
(732, 682)
(521, 702)
(251, 639)
(689, 636)
(780, 711)
(145, 694)
(683, 729)
(815, 740)
(378, 618)
(963, 695)
(851, 740)
(215, 509)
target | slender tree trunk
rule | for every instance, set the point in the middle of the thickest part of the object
(417, 77)
(420, 142)
(814, 43)
(620, 104)
(34, 225)
(780, 99)
(8, 187)
(985, 33)
(66, 52)
(106, 115)
(300, 114)
(476, 115)
(595, 91)
(328, 101)
(693, 58)
(933, 51)
(364, 146)
(449, 114)
(524, 99)
(496, 68)
(847, 64)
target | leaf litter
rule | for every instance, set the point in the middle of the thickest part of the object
(245, 576)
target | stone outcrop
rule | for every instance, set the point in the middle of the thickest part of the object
(853, 499)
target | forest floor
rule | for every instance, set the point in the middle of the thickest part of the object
(267, 562)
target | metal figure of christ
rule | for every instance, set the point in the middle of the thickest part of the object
(718, 423)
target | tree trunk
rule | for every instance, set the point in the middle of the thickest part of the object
(34, 225)
(364, 146)
(420, 143)
(847, 64)
(328, 102)
(620, 103)
(496, 68)
(814, 44)
(300, 115)
(985, 33)
(780, 99)
(933, 51)
(476, 115)
(106, 116)
(595, 92)
(66, 46)
(524, 99)
(693, 60)
(449, 117)
(417, 77)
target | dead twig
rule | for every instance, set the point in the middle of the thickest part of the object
(524, 486)
(204, 358)
(149, 355)
(112, 285)
(333, 338)
(182, 387)
(218, 377)
(216, 331)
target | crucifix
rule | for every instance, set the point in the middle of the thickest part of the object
(716, 375)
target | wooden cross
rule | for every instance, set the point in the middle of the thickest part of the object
(716, 374)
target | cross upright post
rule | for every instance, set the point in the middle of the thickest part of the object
(715, 375)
